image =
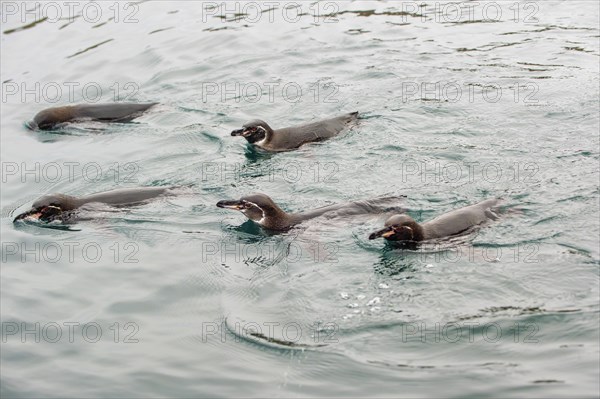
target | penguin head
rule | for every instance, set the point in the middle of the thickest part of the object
(400, 228)
(48, 208)
(50, 117)
(257, 207)
(254, 131)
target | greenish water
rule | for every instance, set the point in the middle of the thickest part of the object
(178, 298)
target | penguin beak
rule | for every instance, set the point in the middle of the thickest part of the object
(39, 214)
(34, 214)
(238, 132)
(231, 204)
(31, 125)
(385, 233)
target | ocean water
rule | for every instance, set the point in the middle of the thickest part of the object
(459, 102)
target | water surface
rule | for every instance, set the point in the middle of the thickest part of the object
(193, 300)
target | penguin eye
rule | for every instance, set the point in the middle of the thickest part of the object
(50, 210)
(407, 232)
(403, 233)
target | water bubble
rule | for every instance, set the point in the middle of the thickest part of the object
(374, 301)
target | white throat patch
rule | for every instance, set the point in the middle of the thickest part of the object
(263, 141)
(263, 212)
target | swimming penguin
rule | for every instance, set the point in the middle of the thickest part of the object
(261, 209)
(405, 231)
(260, 134)
(49, 118)
(60, 206)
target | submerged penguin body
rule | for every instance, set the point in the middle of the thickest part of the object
(61, 207)
(260, 134)
(403, 230)
(50, 118)
(261, 209)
